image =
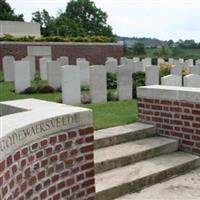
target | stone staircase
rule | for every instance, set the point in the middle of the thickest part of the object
(131, 157)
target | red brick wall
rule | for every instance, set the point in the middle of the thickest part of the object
(95, 53)
(59, 166)
(175, 119)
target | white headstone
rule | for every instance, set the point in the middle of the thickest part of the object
(152, 75)
(54, 74)
(123, 60)
(138, 67)
(160, 61)
(130, 64)
(176, 70)
(98, 84)
(80, 59)
(22, 75)
(31, 59)
(111, 65)
(124, 83)
(172, 80)
(63, 60)
(8, 68)
(84, 72)
(136, 59)
(194, 70)
(71, 89)
(171, 61)
(147, 61)
(181, 60)
(177, 63)
(192, 80)
(190, 62)
(197, 62)
(43, 67)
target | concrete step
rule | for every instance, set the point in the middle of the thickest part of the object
(132, 178)
(126, 153)
(184, 187)
(120, 134)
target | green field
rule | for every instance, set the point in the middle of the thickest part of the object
(181, 53)
(184, 53)
(104, 115)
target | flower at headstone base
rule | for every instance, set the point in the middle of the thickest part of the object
(165, 69)
(85, 99)
(185, 71)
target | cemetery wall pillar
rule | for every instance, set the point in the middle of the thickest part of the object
(175, 111)
(46, 151)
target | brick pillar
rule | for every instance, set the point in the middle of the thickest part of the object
(175, 111)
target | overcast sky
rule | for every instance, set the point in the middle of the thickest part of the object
(162, 19)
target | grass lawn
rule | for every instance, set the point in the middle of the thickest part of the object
(113, 113)
(104, 115)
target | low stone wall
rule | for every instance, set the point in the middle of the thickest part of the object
(46, 151)
(175, 111)
(96, 53)
(18, 28)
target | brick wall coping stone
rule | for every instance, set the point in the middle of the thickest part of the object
(25, 120)
(188, 94)
(62, 43)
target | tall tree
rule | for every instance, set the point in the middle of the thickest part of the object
(67, 27)
(80, 18)
(138, 48)
(7, 13)
(46, 22)
(170, 43)
(90, 18)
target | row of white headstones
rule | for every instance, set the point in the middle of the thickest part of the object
(176, 77)
(152, 73)
(59, 73)
(71, 77)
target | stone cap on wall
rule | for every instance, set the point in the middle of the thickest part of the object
(23, 121)
(63, 43)
(188, 94)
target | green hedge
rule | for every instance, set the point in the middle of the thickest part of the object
(58, 39)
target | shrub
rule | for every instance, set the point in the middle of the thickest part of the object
(138, 49)
(59, 89)
(41, 89)
(85, 88)
(96, 38)
(46, 89)
(111, 81)
(29, 90)
(138, 80)
(112, 96)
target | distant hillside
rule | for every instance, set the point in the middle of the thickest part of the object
(148, 42)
